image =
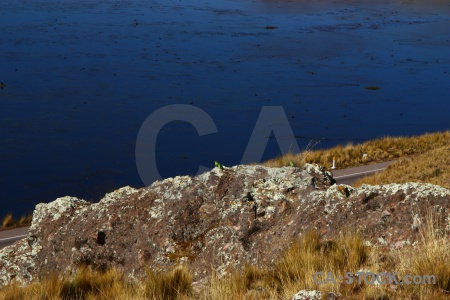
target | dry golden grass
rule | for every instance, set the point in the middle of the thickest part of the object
(294, 271)
(432, 167)
(9, 221)
(174, 284)
(26, 219)
(111, 284)
(378, 150)
(430, 257)
(251, 283)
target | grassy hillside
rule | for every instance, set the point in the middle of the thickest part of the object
(433, 166)
(378, 150)
(424, 158)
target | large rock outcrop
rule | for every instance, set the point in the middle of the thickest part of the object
(216, 221)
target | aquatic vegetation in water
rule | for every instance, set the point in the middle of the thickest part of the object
(270, 27)
(372, 88)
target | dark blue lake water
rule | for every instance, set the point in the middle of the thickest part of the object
(82, 76)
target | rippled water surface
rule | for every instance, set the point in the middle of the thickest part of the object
(82, 76)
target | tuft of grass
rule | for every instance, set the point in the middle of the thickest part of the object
(249, 283)
(311, 254)
(87, 282)
(168, 285)
(8, 221)
(234, 286)
(22, 220)
(431, 258)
